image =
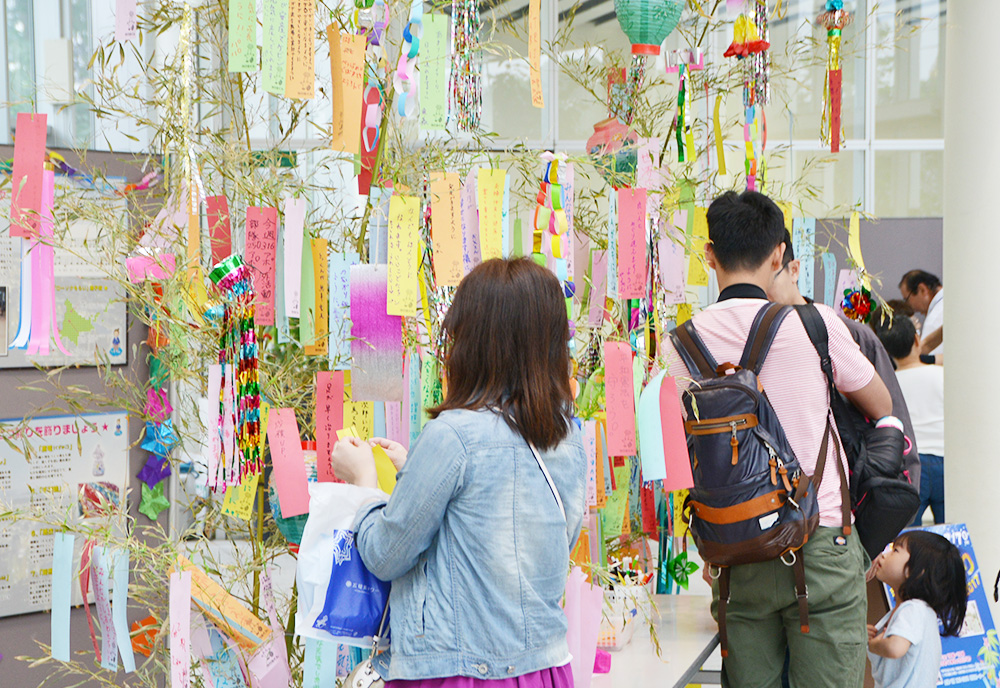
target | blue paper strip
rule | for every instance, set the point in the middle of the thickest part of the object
(320, 666)
(654, 465)
(505, 217)
(280, 314)
(612, 283)
(804, 246)
(62, 584)
(605, 459)
(829, 279)
(379, 420)
(119, 608)
(413, 371)
(340, 309)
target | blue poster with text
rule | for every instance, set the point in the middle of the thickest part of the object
(973, 658)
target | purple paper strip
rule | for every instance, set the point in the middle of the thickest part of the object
(598, 287)
(471, 253)
(377, 344)
(673, 263)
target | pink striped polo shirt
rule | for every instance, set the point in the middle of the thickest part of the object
(792, 379)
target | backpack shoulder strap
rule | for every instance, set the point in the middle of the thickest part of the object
(765, 327)
(812, 321)
(691, 347)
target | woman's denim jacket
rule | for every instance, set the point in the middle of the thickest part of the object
(476, 549)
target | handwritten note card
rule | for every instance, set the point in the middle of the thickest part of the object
(535, 51)
(598, 287)
(180, 629)
(126, 22)
(347, 68)
(804, 249)
(300, 66)
(404, 218)
(291, 235)
(434, 45)
(446, 228)
(631, 243)
(239, 498)
(274, 55)
(490, 196)
(242, 35)
(620, 395)
(261, 253)
(219, 229)
(673, 262)
(471, 255)
(289, 462)
(340, 309)
(321, 298)
(329, 418)
(697, 270)
(26, 176)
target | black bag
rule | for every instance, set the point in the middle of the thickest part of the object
(751, 501)
(883, 499)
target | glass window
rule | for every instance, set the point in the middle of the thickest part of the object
(818, 184)
(909, 183)
(20, 60)
(82, 117)
(909, 84)
(507, 108)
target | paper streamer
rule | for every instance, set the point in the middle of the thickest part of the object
(854, 245)
(446, 219)
(26, 174)
(612, 246)
(584, 609)
(804, 241)
(830, 279)
(119, 608)
(213, 447)
(505, 217)
(471, 253)
(535, 52)
(24, 302)
(377, 347)
(674, 440)
(153, 268)
(697, 270)
(598, 287)
(489, 189)
(720, 151)
(434, 45)
(289, 462)
(673, 261)
(279, 674)
(339, 350)
(126, 21)
(261, 254)
(631, 243)
(274, 51)
(62, 583)
(320, 665)
(180, 629)
(291, 232)
(300, 66)
(242, 36)
(620, 395)
(404, 255)
(329, 418)
(100, 579)
(650, 431)
(307, 296)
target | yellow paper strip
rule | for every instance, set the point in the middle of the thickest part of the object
(490, 191)
(360, 414)
(384, 468)
(321, 285)
(854, 246)
(720, 151)
(404, 217)
(300, 66)
(446, 228)
(535, 51)
(347, 69)
(689, 146)
(786, 211)
(239, 498)
(697, 273)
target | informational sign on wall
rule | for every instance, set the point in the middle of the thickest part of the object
(972, 658)
(74, 467)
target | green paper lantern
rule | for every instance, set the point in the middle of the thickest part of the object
(647, 23)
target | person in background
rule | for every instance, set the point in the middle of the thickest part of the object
(785, 289)
(488, 502)
(923, 389)
(924, 293)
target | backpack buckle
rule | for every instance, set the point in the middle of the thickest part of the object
(803, 595)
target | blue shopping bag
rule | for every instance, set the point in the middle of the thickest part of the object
(355, 598)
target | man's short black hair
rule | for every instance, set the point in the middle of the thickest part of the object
(789, 251)
(744, 229)
(914, 278)
(896, 333)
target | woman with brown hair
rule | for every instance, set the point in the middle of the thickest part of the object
(489, 500)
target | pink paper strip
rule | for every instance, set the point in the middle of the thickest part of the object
(180, 629)
(675, 451)
(631, 243)
(590, 447)
(100, 579)
(394, 423)
(126, 21)
(26, 176)
(261, 254)
(228, 469)
(214, 422)
(377, 347)
(219, 228)
(673, 262)
(471, 253)
(567, 179)
(43, 282)
(154, 268)
(620, 396)
(598, 288)
(289, 462)
(329, 419)
(584, 605)
(279, 674)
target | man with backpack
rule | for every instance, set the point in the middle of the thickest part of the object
(784, 583)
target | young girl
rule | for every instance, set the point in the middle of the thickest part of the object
(927, 574)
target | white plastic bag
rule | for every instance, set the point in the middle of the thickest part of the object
(332, 508)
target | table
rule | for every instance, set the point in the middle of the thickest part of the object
(688, 638)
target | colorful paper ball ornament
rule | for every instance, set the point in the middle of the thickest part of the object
(647, 23)
(857, 304)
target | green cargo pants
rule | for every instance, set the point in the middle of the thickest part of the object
(762, 618)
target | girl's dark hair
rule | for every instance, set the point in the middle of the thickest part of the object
(936, 575)
(506, 349)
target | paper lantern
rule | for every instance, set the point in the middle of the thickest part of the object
(647, 23)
